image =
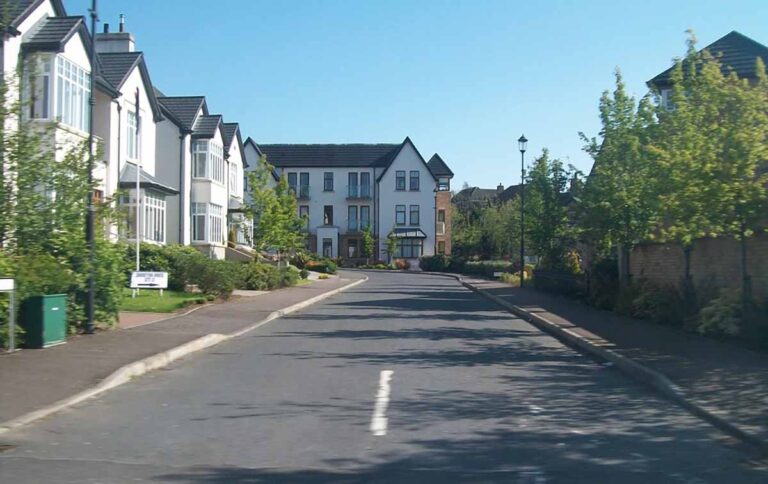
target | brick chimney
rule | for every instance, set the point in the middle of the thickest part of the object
(120, 41)
(500, 188)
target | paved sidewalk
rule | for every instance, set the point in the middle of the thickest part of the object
(33, 379)
(730, 381)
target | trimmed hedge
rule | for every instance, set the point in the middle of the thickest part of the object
(485, 268)
(326, 266)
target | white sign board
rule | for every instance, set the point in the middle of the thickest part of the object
(497, 274)
(7, 285)
(149, 280)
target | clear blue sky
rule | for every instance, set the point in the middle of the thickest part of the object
(461, 78)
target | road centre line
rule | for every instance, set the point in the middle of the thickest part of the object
(379, 419)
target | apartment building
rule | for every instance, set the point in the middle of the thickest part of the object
(344, 188)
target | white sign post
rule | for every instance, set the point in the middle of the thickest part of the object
(149, 280)
(9, 286)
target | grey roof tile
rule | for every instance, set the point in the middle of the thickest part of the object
(330, 155)
(183, 108)
(115, 66)
(229, 131)
(52, 33)
(735, 51)
(438, 167)
(206, 126)
(128, 180)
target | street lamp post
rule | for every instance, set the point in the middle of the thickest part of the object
(89, 221)
(522, 143)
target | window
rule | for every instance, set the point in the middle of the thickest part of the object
(408, 248)
(132, 136)
(234, 176)
(400, 180)
(217, 162)
(207, 223)
(327, 181)
(365, 217)
(666, 99)
(352, 191)
(327, 247)
(200, 159)
(199, 221)
(72, 94)
(365, 185)
(39, 87)
(352, 218)
(441, 215)
(399, 214)
(443, 184)
(328, 215)
(414, 181)
(414, 215)
(441, 247)
(293, 179)
(154, 217)
(304, 213)
(304, 185)
(352, 252)
(208, 161)
(217, 222)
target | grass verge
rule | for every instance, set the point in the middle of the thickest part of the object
(150, 301)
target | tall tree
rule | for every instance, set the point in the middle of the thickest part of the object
(619, 201)
(549, 232)
(273, 210)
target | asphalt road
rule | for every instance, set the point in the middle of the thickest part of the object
(406, 378)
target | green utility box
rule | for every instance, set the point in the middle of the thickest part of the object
(44, 319)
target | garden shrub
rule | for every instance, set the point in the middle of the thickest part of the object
(486, 268)
(326, 266)
(722, 316)
(402, 264)
(303, 273)
(510, 278)
(435, 263)
(216, 277)
(604, 284)
(300, 259)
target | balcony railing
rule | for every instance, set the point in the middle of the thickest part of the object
(302, 193)
(358, 192)
(440, 228)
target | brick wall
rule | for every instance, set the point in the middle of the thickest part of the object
(443, 202)
(718, 260)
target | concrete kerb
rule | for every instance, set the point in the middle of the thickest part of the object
(638, 371)
(132, 370)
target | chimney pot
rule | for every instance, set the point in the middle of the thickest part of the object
(122, 22)
(500, 188)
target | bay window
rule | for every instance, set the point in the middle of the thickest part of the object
(408, 248)
(208, 161)
(152, 212)
(63, 98)
(207, 223)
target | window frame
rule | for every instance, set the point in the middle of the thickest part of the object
(327, 215)
(417, 211)
(400, 177)
(328, 181)
(414, 175)
(398, 213)
(132, 137)
(352, 216)
(367, 210)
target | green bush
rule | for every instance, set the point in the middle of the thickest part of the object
(604, 284)
(300, 259)
(509, 278)
(303, 273)
(723, 315)
(435, 263)
(289, 276)
(326, 266)
(487, 268)
(259, 276)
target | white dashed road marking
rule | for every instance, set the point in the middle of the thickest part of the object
(379, 419)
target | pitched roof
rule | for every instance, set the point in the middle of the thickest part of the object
(52, 33)
(229, 131)
(115, 67)
(735, 51)
(15, 11)
(476, 194)
(438, 167)
(329, 155)
(183, 108)
(128, 180)
(509, 193)
(206, 126)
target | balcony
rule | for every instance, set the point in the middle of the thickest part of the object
(358, 192)
(440, 228)
(302, 193)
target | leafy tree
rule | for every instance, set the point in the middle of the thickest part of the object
(368, 243)
(277, 224)
(549, 232)
(619, 203)
(711, 149)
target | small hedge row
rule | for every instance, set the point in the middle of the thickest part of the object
(445, 263)
(312, 262)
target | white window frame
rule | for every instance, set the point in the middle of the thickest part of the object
(72, 94)
(132, 137)
(208, 161)
(199, 217)
(154, 217)
(216, 216)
